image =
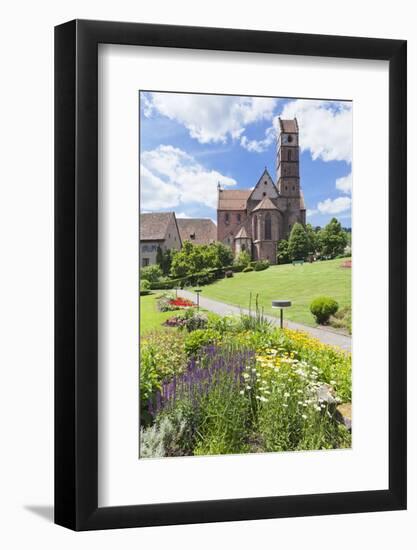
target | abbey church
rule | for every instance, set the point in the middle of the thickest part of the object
(256, 219)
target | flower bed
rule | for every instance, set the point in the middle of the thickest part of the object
(208, 392)
(182, 302)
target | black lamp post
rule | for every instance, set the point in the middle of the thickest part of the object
(281, 304)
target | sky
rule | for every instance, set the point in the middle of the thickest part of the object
(191, 142)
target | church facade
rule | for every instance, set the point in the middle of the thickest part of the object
(256, 219)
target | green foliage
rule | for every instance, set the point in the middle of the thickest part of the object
(342, 319)
(298, 243)
(322, 308)
(261, 265)
(312, 239)
(198, 339)
(242, 259)
(247, 269)
(332, 240)
(145, 287)
(169, 436)
(197, 258)
(151, 273)
(283, 254)
(195, 320)
(161, 356)
(164, 260)
(254, 320)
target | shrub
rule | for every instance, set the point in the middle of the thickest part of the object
(247, 269)
(195, 321)
(198, 339)
(151, 273)
(283, 255)
(322, 308)
(228, 274)
(260, 265)
(145, 287)
(242, 259)
(169, 436)
(162, 355)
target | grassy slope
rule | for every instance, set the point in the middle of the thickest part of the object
(150, 317)
(300, 284)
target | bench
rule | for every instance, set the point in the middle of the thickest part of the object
(295, 262)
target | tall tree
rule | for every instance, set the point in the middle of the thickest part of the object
(298, 243)
(333, 239)
(283, 255)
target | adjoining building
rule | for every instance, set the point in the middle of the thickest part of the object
(197, 230)
(256, 219)
(157, 230)
(165, 231)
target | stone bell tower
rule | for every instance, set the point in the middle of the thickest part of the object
(288, 159)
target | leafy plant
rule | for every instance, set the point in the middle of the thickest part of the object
(145, 287)
(151, 273)
(322, 308)
(260, 265)
(256, 320)
(247, 269)
(197, 339)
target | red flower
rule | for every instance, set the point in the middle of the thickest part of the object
(181, 302)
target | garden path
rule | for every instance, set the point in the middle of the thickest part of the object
(323, 334)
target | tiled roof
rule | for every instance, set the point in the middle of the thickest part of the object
(288, 126)
(197, 230)
(233, 199)
(265, 204)
(154, 225)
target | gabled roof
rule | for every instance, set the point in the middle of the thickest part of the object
(233, 199)
(197, 230)
(265, 204)
(288, 126)
(264, 177)
(241, 234)
(154, 225)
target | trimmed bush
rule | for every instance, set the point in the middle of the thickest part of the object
(247, 269)
(322, 308)
(260, 265)
(145, 287)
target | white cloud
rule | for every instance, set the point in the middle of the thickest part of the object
(325, 127)
(182, 215)
(210, 118)
(262, 145)
(170, 177)
(334, 206)
(311, 212)
(345, 184)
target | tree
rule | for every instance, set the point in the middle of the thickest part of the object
(151, 273)
(298, 243)
(283, 255)
(194, 258)
(164, 260)
(312, 239)
(332, 239)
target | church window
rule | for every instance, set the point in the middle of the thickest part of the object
(264, 194)
(145, 262)
(226, 217)
(238, 218)
(289, 155)
(286, 188)
(265, 182)
(243, 247)
(293, 188)
(255, 228)
(268, 228)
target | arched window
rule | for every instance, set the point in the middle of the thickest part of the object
(289, 154)
(268, 231)
(255, 228)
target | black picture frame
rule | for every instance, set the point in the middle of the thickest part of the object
(76, 272)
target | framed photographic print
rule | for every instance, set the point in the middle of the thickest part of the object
(230, 275)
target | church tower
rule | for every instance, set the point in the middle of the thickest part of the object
(288, 159)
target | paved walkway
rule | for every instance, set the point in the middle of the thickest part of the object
(323, 334)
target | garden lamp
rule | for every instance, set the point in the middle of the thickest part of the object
(197, 291)
(281, 304)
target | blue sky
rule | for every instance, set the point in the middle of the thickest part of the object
(190, 142)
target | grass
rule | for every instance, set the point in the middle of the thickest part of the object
(150, 317)
(300, 284)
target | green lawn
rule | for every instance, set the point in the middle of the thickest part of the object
(150, 317)
(300, 284)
